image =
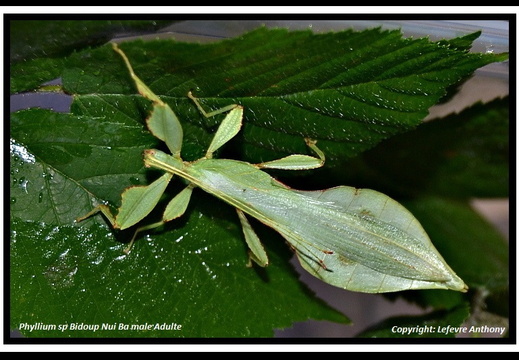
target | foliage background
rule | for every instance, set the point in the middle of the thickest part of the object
(318, 285)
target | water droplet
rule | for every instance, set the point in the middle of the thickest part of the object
(40, 197)
(23, 183)
(13, 200)
(98, 260)
(62, 272)
(120, 257)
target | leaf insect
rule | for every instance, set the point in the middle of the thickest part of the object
(355, 239)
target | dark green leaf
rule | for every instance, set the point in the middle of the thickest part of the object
(204, 286)
(462, 155)
(193, 274)
(91, 155)
(348, 90)
(29, 75)
(31, 39)
(36, 59)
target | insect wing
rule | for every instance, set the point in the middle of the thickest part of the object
(341, 272)
(402, 244)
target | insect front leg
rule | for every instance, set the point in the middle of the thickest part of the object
(162, 122)
(138, 201)
(229, 127)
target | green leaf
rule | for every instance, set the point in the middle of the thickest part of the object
(462, 155)
(27, 76)
(37, 59)
(193, 274)
(92, 155)
(349, 90)
(195, 285)
(60, 37)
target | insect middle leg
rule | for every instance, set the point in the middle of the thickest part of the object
(229, 127)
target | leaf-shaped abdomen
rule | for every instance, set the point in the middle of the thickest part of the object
(360, 240)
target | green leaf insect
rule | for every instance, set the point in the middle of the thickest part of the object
(355, 239)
